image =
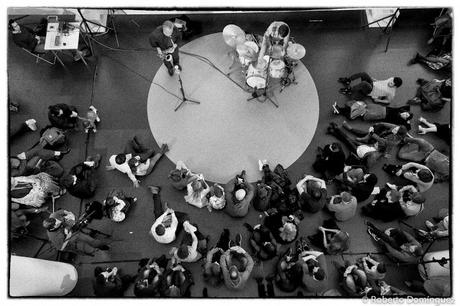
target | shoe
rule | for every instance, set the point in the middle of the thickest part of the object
(104, 247)
(32, 124)
(335, 109)
(231, 244)
(164, 148)
(238, 239)
(154, 189)
(344, 81)
(374, 236)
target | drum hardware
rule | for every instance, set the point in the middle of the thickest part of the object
(287, 81)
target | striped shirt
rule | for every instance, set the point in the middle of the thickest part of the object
(381, 90)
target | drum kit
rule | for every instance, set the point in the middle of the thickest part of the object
(259, 74)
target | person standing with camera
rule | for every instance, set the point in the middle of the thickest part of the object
(64, 232)
(164, 39)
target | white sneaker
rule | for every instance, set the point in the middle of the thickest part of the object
(262, 163)
(32, 124)
(93, 109)
(334, 107)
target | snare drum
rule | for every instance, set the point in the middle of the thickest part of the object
(276, 69)
(250, 52)
(256, 77)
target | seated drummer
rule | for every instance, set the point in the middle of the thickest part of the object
(276, 34)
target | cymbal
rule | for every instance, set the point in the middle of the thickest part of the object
(245, 51)
(296, 51)
(233, 35)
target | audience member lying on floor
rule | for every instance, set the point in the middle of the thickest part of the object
(399, 244)
(342, 206)
(262, 242)
(330, 160)
(421, 151)
(313, 193)
(380, 91)
(150, 276)
(34, 190)
(418, 174)
(330, 238)
(432, 95)
(374, 112)
(109, 283)
(117, 205)
(48, 163)
(236, 265)
(357, 181)
(441, 130)
(63, 116)
(137, 160)
(435, 62)
(81, 181)
(192, 247)
(238, 195)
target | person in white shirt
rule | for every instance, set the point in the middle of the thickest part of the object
(168, 222)
(136, 164)
(197, 190)
(380, 91)
(411, 201)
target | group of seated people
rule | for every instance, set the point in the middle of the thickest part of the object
(300, 261)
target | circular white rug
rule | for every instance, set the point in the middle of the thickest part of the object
(226, 133)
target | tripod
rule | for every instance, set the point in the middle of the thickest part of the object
(182, 91)
(389, 27)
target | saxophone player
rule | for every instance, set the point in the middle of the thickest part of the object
(165, 39)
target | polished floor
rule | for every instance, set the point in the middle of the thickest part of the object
(117, 82)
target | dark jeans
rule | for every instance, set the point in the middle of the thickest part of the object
(265, 291)
(362, 89)
(17, 131)
(343, 137)
(175, 57)
(158, 210)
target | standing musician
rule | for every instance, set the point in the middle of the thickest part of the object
(277, 34)
(165, 38)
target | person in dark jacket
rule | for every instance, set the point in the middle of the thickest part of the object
(26, 38)
(81, 180)
(63, 116)
(109, 283)
(330, 160)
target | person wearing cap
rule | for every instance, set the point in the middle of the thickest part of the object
(374, 270)
(330, 160)
(313, 193)
(411, 201)
(81, 180)
(419, 174)
(60, 233)
(197, 191)
(275, 39)
(386, 205)
(314, 267)
(421, 151)
(343, 206)
(192, 246)
(181, 176)
(165, 39)
(168, 222)
(382, 91)
(238, 195)
(236, 265)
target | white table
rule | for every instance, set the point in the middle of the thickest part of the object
(61, 39)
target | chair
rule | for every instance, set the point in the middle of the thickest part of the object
(39, 57)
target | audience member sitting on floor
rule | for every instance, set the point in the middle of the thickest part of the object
(150, 276)
(442, 131)
(374, 270)
(168, 222)
(385, 206)
(62, 236)
(421, 151)
(236, 265)
(400, 245)
(26, 38)
(357, 182)
(374, 112)
(380, 91)
(353, 279)
(81, 181)
(212, 271)
(216, 196)
(314, 269)
(330, 160)
(343, 206)
(419, 174)
(197, 190)
(19, 220)
(432, 95)
(284, 228)
(330, 238)
(288, 272)
(238, 195)
(181, 176)
(262, 241)
(176, 282)
(63, 116)
(109, 283)
(18, 130)
(411, 201)
(137, 163)
(192, 247)
(441, 228)
(34, 190)
(313, 193)
(279, 176)
(117, 205)
(262, 196)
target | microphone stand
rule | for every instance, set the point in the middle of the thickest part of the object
(182, 91)
(255, 94)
